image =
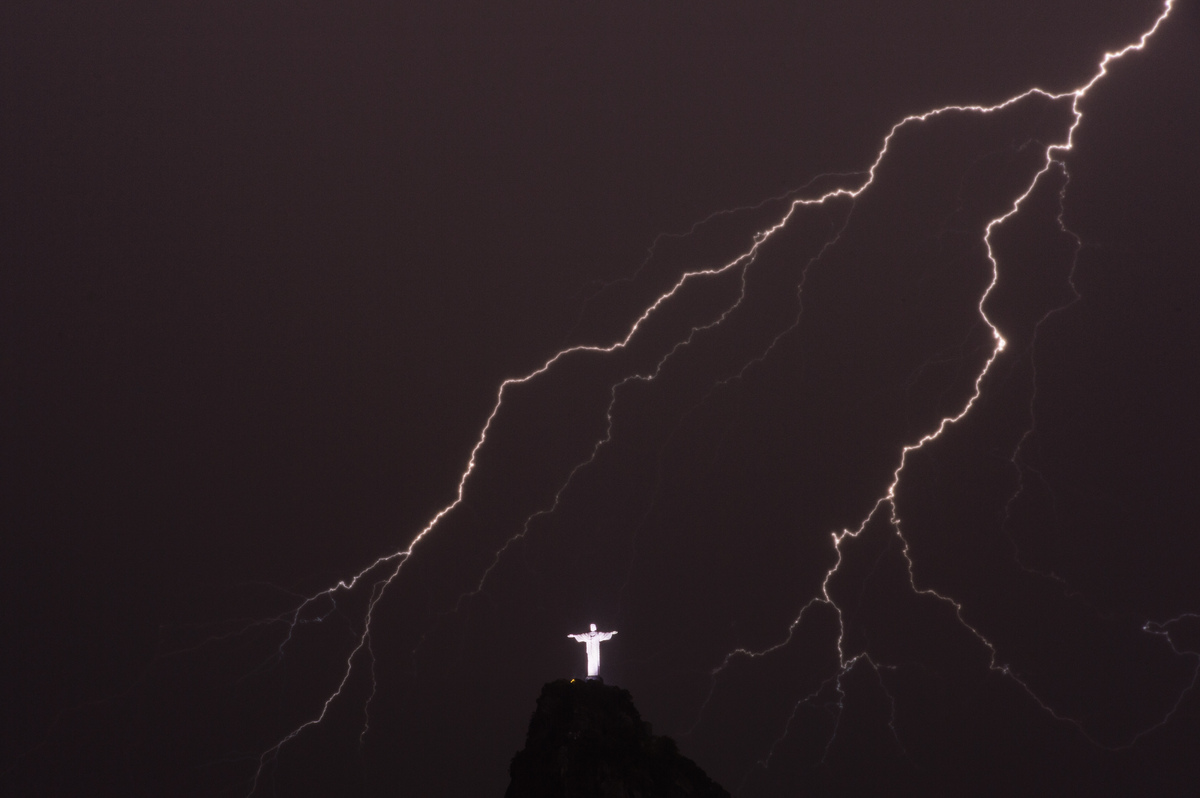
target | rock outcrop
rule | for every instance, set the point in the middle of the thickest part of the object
(587, 740)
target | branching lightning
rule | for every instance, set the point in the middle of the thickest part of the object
(385, 570)
(1052, 159)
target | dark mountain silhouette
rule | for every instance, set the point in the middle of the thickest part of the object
(587, 740)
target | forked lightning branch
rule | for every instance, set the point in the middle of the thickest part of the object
(383, 572)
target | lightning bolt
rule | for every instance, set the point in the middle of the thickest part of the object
(887, 502)
(381, 574)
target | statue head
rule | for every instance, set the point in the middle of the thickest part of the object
(593, 627)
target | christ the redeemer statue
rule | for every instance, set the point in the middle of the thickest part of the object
(593, 639)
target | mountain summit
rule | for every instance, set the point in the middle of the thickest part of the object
(587, 740)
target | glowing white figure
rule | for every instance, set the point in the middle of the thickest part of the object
(593, 639)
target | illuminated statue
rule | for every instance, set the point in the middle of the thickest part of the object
(593, 639)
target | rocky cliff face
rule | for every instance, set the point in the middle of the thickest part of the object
(587, 740)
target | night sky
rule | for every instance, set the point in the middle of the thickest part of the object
(266, 265)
